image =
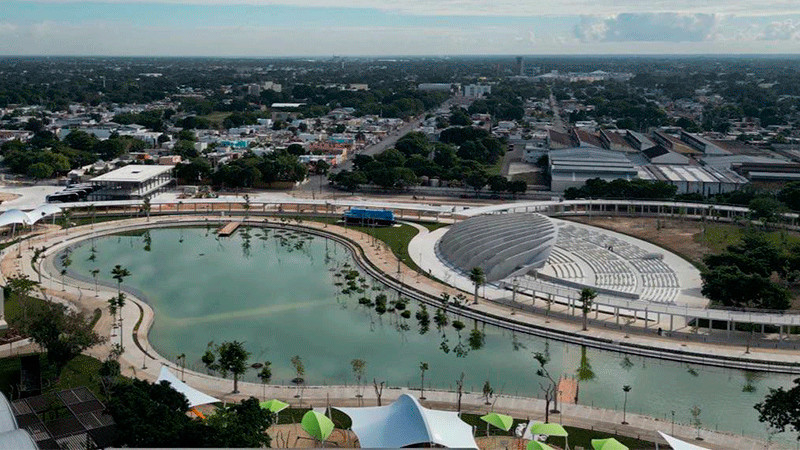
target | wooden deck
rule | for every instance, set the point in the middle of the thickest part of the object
(228, 229)
(567, 390)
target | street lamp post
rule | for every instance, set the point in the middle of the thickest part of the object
(625, 389)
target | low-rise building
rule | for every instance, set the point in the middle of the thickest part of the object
(131, 182)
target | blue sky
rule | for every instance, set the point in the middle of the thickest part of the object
(413, 27)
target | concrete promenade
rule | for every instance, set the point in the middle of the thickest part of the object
(136, 363)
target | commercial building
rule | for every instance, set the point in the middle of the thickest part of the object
(476, 90)
(131, 182)
(571, 167)
(695, 179)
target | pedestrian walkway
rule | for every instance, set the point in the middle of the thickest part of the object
(143, 362)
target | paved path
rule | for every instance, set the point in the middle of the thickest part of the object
(136, 363)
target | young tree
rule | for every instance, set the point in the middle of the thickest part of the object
(478, 278)
(695, 411)
(587, 298)
(300, 372)
(21, 287)
(63, 333)
(265, 375)
(487, 392)
(459, 391)
(423, 367)
(232, 357)
(378, 389)
(549, 386)
(359, 367)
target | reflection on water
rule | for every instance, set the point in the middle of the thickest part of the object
(286, 293)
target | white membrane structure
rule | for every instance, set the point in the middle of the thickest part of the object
(503, 245)
(407, 423)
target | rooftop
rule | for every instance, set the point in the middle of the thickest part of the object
(134, 173)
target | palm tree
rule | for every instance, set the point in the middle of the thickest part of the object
(119, 273)
(146, 207)
(625, 389)
(587, 298)
(478, 278)
(423, 366)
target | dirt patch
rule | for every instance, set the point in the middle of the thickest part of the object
(5, 196)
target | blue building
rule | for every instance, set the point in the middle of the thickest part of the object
(369, 217)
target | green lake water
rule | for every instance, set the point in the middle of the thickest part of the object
(277, 292)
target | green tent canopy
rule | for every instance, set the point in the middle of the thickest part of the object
(608, 444)
(274, 406)
(317, 425)
(536, 445)
(501, 421)
(548, 429)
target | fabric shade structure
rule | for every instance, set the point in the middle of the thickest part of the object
(43, 211)
(274, 406)
(536, 445)
(407, 423)
(317, 425)
(608, 444)
(678, 444)
(17, 217)
(501, 421)
(195, 397)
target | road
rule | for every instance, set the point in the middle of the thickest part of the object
(558, 123)
(390, 139)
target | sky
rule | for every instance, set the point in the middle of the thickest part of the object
(264, 28)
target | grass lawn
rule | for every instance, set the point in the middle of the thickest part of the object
(397, 237)
(13, 310)
(717, 237)
(216, 117)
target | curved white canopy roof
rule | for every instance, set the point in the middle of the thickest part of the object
(405, 422)
(195, 397)
(43, 211)
(15, 216)
(678, 444)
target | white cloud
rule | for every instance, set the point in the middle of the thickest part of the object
(532, 8)
(785, 30)
(649, 27)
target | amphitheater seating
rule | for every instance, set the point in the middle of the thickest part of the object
(616, 264)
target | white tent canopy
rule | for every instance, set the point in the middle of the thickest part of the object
(42, 212)
(195, 397)
(15, 216)
(678, 444)
(405, 422)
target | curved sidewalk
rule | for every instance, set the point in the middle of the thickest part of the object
(137, 363)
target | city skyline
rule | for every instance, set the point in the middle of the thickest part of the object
(258, 28)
